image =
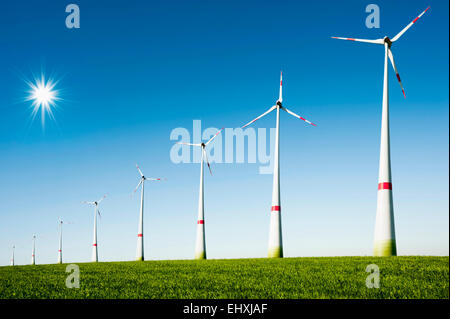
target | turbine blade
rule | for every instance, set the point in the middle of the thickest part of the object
(89, 203)
(156, 179)
(265, 113)
(190, 144)
(281, 87)
(140, 182)
(214, 136)
(100, 200)
(140, 172)
(391, 57)
(98, 212)
(207, 161)
(377, 41)
(297, 116)
(408, 26)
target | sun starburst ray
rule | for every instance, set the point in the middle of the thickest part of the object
(43, 95)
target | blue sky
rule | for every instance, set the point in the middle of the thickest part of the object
(136, 70)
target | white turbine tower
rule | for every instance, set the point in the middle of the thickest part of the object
(275, 237)
(12, 256)
(140, 240)
(60, 224)
(94, 243)
(200, 245)
(33, 252)
(384, 239)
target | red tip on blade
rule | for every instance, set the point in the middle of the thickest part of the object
(404, 93)
(209, 168)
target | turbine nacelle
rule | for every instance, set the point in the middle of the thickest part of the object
(143, 179)
(388, 41)
(96, 203)
(280, 106)
(203, 146)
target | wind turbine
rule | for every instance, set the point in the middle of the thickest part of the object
(60, 224)
(12, 257)
(33, 252)
(96, 211)
(384, 239)
(275, 238)
(200, 245)
(140, 240)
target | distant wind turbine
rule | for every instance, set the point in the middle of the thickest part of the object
(96, 211)
(60, 224)
(275, 233)
(384, 239)
(33, 253)
(200, 245)
(140, 240)
(12, 256)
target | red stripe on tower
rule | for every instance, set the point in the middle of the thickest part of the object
(200, 222)
(139, 235)
(276, 208)
(384, 186)
(94, 244)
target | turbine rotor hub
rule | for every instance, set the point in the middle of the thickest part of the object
(388, 41)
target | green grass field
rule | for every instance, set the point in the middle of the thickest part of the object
(315, 277)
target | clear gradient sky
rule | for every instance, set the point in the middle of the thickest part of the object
(136, 70)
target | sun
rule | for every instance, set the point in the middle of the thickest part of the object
(43, 95)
